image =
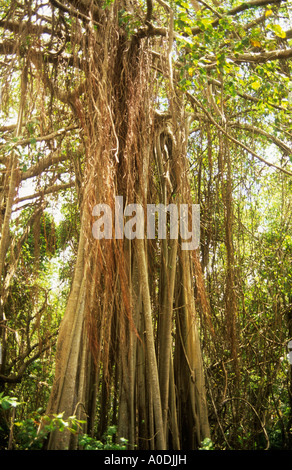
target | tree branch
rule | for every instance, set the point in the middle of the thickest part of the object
(260, 57)
(240, 8)
(43, 192)
(18, 28)
(43, 165)
(16, 378)
(252, 4)
(43, 138)
(149, 10)
(246, 96)
(257, 130)
(252, 57)
(233, 139)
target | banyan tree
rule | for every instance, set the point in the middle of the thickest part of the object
(129, 330)
(103, 85)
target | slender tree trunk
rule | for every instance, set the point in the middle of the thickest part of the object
(69, 394)
(165, 350)
(193, 358)
(150, 345)
(14, 177)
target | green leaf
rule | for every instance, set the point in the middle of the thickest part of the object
(277, 30)
(184, 4)
(8, 402)
(5, 404)
(256, 85)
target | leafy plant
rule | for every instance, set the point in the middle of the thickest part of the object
(89, 443)
(33, 431)
(7, 402)
(207, 444)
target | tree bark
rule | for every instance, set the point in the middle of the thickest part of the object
(150, 345)
(70, 391)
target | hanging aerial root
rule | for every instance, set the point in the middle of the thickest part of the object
(202, 296)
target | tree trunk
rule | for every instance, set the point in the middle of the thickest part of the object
(113, 313)
(70, 392)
